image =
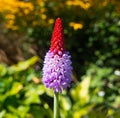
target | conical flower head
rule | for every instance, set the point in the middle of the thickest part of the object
(57, 68)
(57, 41)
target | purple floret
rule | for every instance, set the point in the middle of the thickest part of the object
(57, 71)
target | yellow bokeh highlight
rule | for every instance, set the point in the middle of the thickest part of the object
(41, 3)
(14, 12)
(76, 26)
(81, 3)
(10, 16)
(43, 16)
(12, 7)
(110, 112)
(42, 10)
(26, 11)
(51, 21)
(26, 5)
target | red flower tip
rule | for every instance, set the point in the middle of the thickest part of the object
(57, 40)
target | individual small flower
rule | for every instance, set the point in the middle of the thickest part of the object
(57, 67)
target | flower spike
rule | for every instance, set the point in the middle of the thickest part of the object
(57, 67)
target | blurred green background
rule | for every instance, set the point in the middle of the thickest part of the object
(92, 36)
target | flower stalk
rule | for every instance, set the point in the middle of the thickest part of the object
(56, 105)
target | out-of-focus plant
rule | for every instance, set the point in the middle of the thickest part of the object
(97, 95)
(35, 19)
(105, 45)
(22, 95)
(14, 9)
(21, 92)
(20, 14)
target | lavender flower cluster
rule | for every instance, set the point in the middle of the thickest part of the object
(57, 71)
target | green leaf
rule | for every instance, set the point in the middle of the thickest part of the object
(17, 86)
(3, 70)
(32, 94)
(23, 65)
(81, 92)
(65, 103)
(40, 112)
(49, 92)
(22, 111)
(2, 113)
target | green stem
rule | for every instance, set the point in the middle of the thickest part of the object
(56, 105)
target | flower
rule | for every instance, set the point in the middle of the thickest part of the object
(76, 26)
(57, 67)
